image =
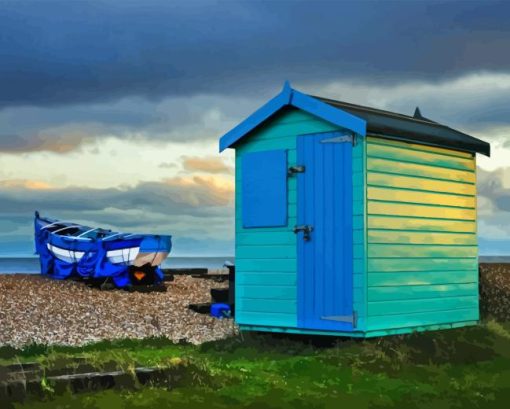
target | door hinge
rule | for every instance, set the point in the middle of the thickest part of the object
(350, 319)
(341, 139)
(295, 169)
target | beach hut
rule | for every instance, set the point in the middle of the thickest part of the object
(353, 221)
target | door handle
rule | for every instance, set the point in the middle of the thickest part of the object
(306, 229)
(295, 169)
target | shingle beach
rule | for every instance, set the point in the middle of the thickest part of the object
(36, 309)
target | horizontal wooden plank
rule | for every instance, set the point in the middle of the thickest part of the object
(291, 212)
(420, 251)
(413, 196)
(402, 154)
(279, 130)
(266, 252)
(417, 328)
(414, 237)
(292, 183)
(421, 319)
(418, 147)
(358, 298)
(358, 266)
(423, 278)
(265, 238)
(358, 221)
(358, 251)
(413, 169)
(421, 224)
(358, 280)
(266, 278)
(283, 229)
(291, 222)
(291, 186)
(291, 115)
(381, 308)
(413, 292)
(358, 236)
(266, 318)
(358, 180)
(254, 145)
(358, 207)
(267, 305)
(358, 193)
(414, 210)
(420, 183)
(411, 264)
(282, 265)
(357, 166)
(266, 292)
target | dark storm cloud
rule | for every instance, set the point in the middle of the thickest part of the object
(63, 128)
(57, 52)
(34, 143)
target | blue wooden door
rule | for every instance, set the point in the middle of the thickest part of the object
(324, 229)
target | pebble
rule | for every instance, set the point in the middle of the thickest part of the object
(39, 310)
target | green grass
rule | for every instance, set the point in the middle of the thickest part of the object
(462, 368)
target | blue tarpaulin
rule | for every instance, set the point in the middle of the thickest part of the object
(87, 257)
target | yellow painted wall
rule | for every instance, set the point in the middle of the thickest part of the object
(422, 266)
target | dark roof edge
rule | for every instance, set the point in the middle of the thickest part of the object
(419, 141)
(430, 140)
(393, 125)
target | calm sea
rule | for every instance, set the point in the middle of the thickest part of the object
(9, 265)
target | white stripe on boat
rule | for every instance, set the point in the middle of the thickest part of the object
(123, 256)
(66, 255)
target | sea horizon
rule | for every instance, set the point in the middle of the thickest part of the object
(30, 264)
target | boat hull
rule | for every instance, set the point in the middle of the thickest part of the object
(69, 250)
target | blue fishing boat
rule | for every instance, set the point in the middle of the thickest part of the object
(68, 249)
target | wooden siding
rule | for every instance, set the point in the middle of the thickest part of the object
(359, 232)
(422, 266)
(266, 258)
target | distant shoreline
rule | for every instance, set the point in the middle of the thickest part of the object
(30, 265)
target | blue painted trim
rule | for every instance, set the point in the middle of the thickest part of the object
(264, 193)
(291, 97)
(325, 262)
(255, 119)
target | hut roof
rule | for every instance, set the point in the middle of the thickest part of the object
(414, 128)
(361, 120)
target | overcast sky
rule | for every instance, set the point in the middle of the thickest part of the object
(110, 111)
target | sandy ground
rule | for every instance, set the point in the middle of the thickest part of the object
(36, 309)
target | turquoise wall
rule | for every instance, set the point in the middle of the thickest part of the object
(266, 258)
(415, 247)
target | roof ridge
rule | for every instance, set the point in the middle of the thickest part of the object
(380, 111)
